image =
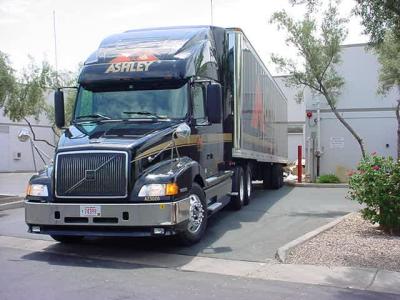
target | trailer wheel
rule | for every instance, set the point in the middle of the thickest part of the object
(277, 176)
(238, 188)
(197, 222)
(273, 177)
(248, 185)
(267, 177)
(68, 239)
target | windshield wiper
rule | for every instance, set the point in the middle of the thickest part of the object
(144, 113)
(94, 117)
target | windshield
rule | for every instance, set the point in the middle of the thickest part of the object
(132, 104)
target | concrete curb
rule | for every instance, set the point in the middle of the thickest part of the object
(282, 252)
(15, 202)
(317, 185)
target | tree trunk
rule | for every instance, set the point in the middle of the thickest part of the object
(398, 128)
(344, 122)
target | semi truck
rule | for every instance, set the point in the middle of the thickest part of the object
(170, 125)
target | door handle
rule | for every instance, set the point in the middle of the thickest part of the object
(210, 156)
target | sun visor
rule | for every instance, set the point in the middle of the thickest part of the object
(133, 71)
(163, 53)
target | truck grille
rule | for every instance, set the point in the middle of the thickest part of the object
(91, 174)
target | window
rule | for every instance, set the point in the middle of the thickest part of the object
(166, 103)
(295, 128)
(198, 104)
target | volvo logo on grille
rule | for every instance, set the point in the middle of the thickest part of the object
(90, 175)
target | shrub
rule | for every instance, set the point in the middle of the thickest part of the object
(328, 178)
(376, 184)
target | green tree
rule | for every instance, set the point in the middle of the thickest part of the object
(381, 21)
(64, 79)
(378, 17)
(24, 96)
(318, 49)
(388, 52)
(7, 79)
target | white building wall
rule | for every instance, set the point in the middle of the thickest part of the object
(370, 114)
(296, 118)
(11, 147)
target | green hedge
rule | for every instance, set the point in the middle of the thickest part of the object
(328, 178)
(376, 185)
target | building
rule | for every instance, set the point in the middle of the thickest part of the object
(371, 115)
(19, 156)
(296, 117)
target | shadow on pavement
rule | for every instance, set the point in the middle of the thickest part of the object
(225, 221)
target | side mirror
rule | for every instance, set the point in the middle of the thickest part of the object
(183, 131)
(214, 103)
(59, 108)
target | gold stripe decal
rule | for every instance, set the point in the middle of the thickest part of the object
(193, 140)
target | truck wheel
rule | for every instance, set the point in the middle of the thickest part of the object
(67, 238)
(248, 185)
(267, 177)
(197, 222)
(273, 177)
(277, 176)
(238, 187)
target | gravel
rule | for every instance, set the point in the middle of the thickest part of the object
(353, 242)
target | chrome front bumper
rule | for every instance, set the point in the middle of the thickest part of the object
(122, 215)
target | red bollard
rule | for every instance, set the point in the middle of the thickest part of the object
(299, 163)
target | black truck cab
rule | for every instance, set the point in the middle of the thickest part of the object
(150, 147)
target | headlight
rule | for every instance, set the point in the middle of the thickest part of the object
(158, 190)
(39, 190)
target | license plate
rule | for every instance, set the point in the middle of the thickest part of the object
(90, 210)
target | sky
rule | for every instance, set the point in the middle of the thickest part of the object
(26, 26)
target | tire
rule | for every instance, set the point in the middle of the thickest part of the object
(237, 200)
(277, 176)
(69, 239)
(248, 187)
(273, 177)
(267, 177)
(193, 230)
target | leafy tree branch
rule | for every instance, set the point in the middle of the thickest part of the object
(318, 47)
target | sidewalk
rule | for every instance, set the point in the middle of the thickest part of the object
(12, 189)
(371, 279)
(14, 184)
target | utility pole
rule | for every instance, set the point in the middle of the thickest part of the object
(55, 45)
(318, 153)
(212, 17)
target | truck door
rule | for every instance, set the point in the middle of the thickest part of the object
(210, 138)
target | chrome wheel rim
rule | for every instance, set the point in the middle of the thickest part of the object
(248, 185)
(196, 214)
(241, 189)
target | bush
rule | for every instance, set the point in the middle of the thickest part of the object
(328, 178)
(376, 184)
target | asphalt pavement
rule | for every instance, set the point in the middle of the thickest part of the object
(42, 276)
(254, 233)
(235, 259)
